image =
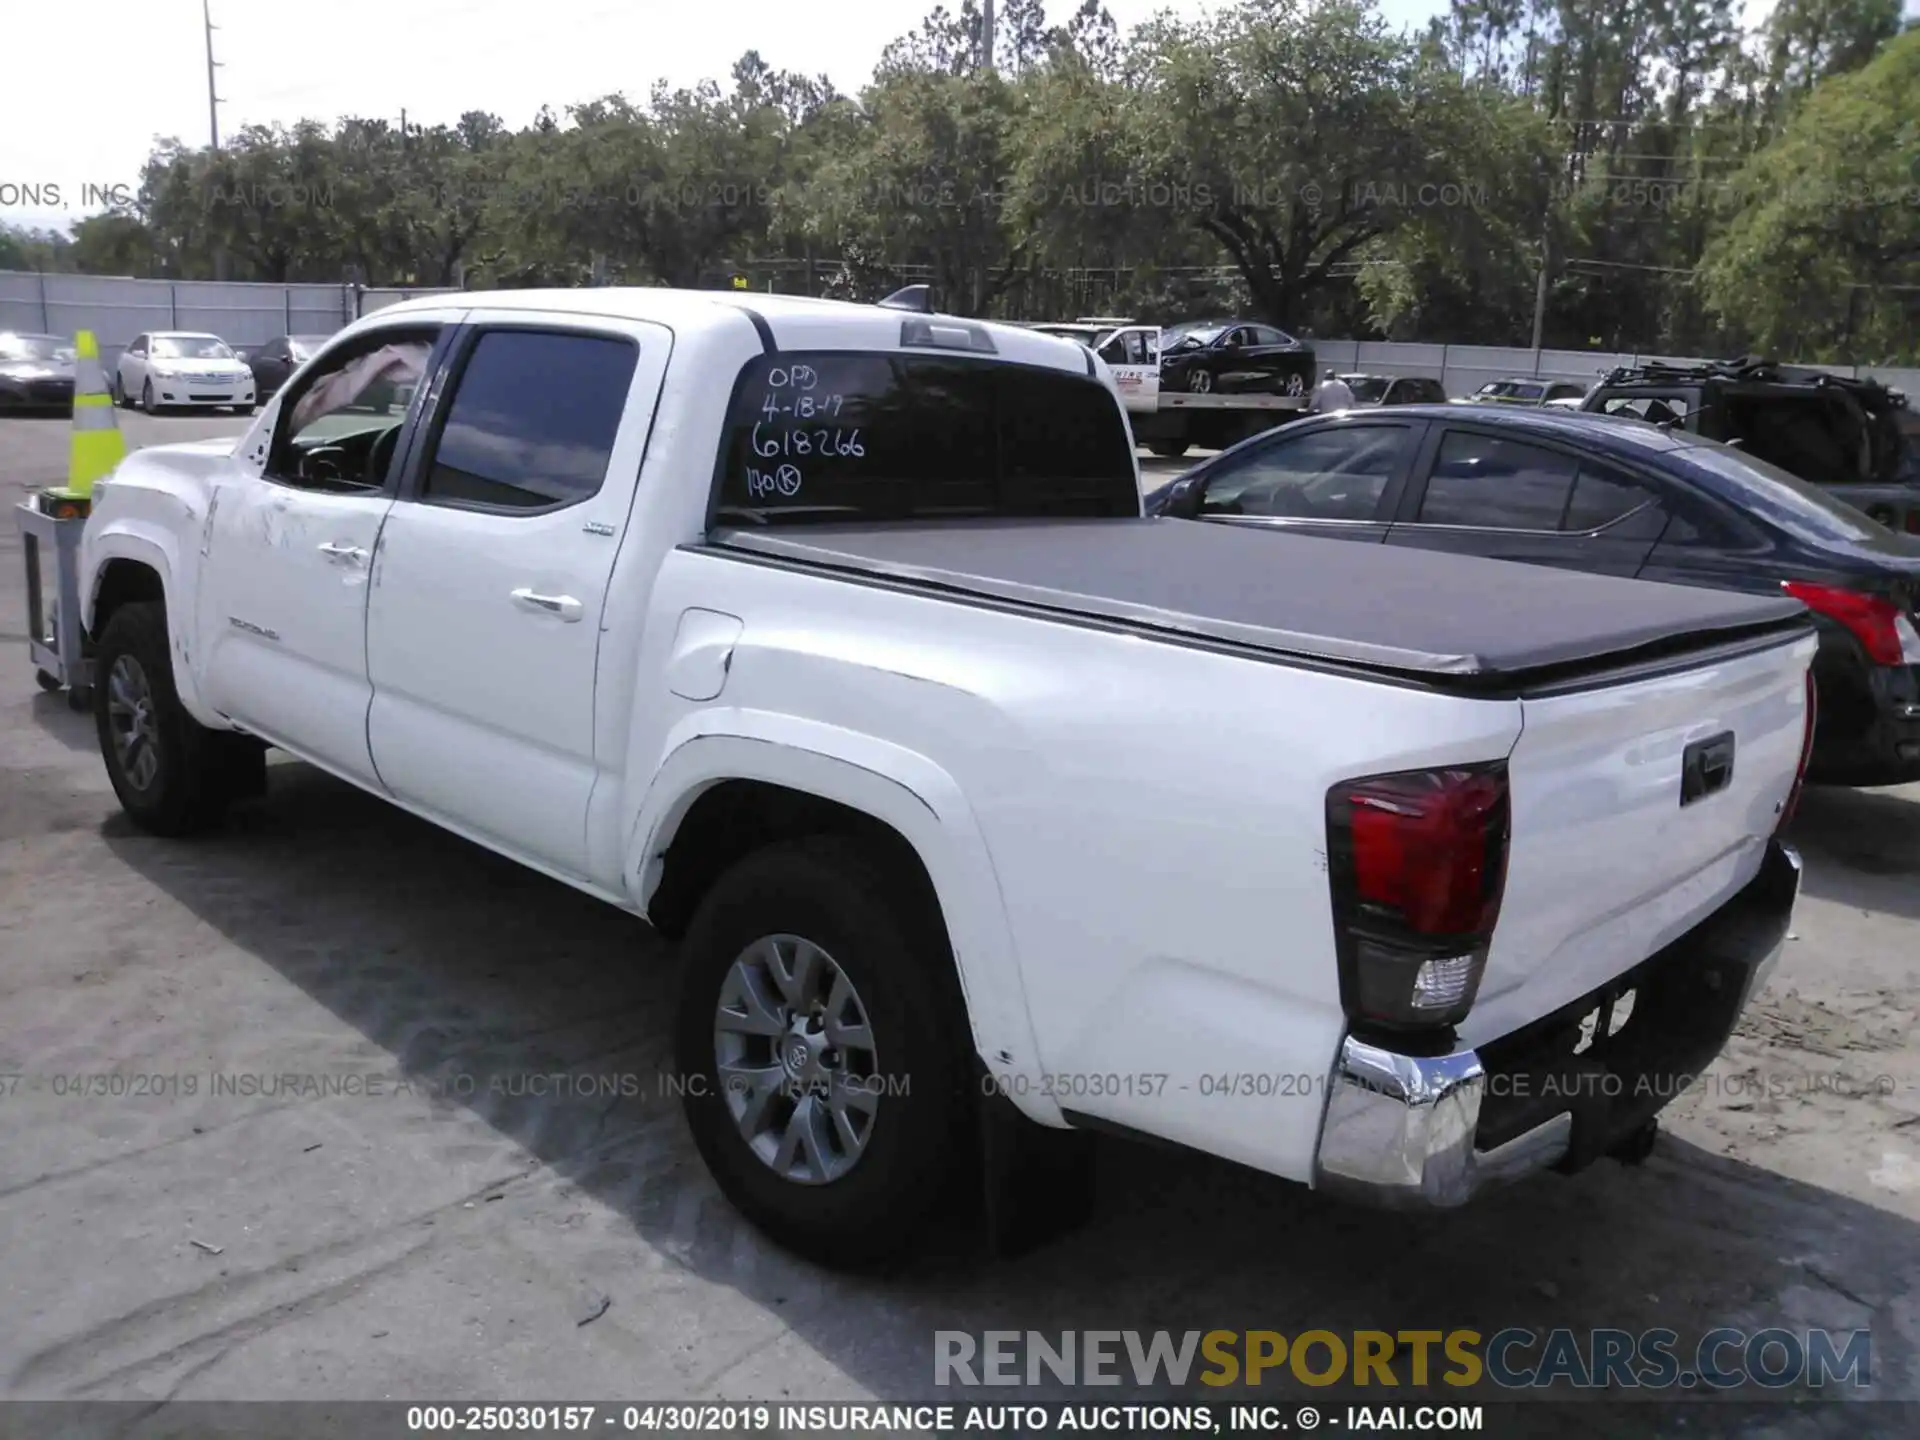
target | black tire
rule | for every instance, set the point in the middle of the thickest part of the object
(1168, 449)
(1200, 382)
(146, 398)
(194, 781)
(46, 680)
(842, 897)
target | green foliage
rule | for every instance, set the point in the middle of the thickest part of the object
(1681, 184)
(28, 249)
(920, 179)
(1820, 254)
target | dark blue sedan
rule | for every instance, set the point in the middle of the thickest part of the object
(1615, 497)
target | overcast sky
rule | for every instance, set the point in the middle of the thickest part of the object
(90, 86)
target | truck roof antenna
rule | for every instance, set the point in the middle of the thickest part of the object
(918, 298)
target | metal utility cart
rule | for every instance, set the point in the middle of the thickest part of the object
(56, 643)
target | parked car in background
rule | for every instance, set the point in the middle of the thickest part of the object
(1848, 436)
(274, 361)
(1526, 390)
(1369, 390)
(1234, 357)
(1610, 497)
(167, 368)
(36, 372)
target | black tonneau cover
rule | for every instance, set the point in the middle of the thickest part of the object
(1416, 612)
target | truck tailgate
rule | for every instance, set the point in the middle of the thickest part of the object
(1607, 865)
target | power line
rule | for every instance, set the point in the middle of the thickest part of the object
(1629, 265)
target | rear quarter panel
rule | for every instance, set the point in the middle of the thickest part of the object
(1152, 816)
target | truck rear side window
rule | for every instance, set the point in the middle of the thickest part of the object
(837, 436)
(532, 422)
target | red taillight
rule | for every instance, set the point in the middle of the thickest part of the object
(1420, 847)
(1878, 624)
(1418, 862)
(1913, 521)
(1806, 757)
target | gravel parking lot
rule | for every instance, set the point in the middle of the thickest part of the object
(448, 1231)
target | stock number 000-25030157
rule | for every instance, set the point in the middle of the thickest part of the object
(1231, 1085)
(1065, 1086)
(523, 1419)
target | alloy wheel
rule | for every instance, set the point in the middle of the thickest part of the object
(794, 1052)
(134, 725)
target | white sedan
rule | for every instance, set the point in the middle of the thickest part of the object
(176, 367)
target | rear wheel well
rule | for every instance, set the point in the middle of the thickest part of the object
(737, 817)
(124, 582)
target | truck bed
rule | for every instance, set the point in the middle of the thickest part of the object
(1422, 614)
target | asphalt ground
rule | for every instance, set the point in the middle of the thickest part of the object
(448, 1232)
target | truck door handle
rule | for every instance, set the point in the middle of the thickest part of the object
(344, 552)
(565, 606)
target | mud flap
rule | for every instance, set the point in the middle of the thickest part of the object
(1039, 1182)
(242, 766)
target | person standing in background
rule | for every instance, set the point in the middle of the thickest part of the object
(1332, 395)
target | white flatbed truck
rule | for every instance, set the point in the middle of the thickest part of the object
(1169, 422)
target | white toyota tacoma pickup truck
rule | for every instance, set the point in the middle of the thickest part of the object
(830, 639)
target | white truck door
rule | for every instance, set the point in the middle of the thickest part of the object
(484, 626)
(286, 556)
(1133, 354)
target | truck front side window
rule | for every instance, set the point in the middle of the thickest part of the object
(533, 420)
(342, 428)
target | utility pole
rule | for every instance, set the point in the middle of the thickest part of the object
(403, 127)
(1546, 264)
(986, 34)
(213, 100)
(1540, 295)
(213, 120)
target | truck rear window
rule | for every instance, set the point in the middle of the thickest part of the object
(839, 436)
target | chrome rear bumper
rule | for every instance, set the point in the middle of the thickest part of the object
(1402, 1130)
(1399, 1131)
